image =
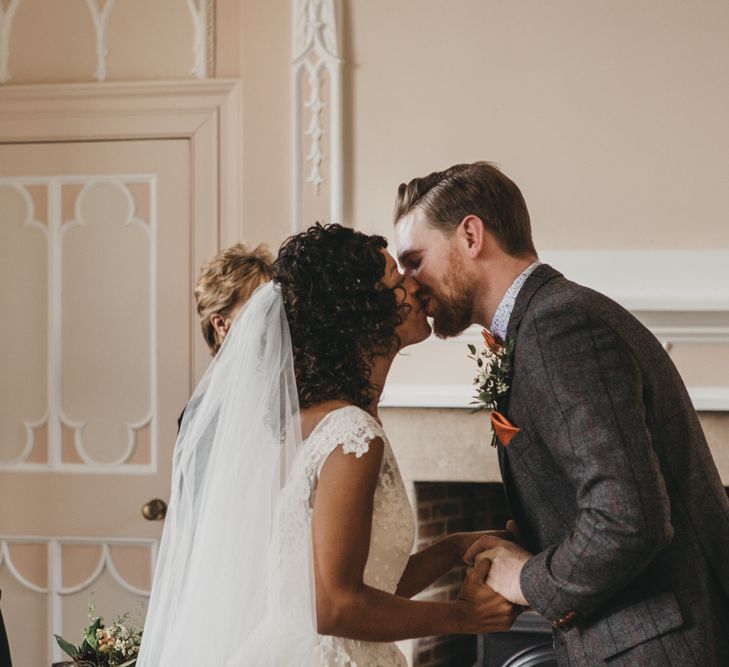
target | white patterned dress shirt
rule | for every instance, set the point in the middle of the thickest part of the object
(500, 322)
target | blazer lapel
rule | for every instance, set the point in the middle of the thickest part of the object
(541, 275)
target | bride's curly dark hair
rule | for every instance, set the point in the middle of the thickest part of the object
(339, 314)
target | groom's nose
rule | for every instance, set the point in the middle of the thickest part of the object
(420, 289)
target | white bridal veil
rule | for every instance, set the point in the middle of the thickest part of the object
(219, 596)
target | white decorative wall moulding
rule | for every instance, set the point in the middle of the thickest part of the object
(100, 15)
(202, 15)
(651, 280)
(57, 418)
(7, 14)
(54, 586)
(317, 49)
(207, 113)
(397, 395)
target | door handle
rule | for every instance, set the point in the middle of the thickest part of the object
(154, 510)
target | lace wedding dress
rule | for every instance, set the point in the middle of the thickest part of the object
(234, 581)
(393, 531)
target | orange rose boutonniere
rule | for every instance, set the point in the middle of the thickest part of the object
(492, 382)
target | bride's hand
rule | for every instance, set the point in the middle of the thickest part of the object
(484, 610)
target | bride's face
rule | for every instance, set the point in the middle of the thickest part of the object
(415, 327)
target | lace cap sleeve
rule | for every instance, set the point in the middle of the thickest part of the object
(352, 428)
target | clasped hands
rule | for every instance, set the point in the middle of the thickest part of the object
(493, 579)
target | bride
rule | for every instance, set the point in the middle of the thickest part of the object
(289, 532)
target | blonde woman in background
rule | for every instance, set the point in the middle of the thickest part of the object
(226, 282)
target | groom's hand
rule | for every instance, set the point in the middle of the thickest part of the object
(483, 541)
(484, 610)
(466, 543)
(507, 560)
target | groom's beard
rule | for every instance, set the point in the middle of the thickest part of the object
(453, 313)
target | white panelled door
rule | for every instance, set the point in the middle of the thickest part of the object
(96, 349)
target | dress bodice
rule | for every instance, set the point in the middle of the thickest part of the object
(281, 637)
(393, 525)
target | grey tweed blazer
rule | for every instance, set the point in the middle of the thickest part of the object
(613, 486)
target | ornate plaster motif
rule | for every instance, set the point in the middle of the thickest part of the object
(201, 13)
(100, 13)
(317, 51)
(6, 23)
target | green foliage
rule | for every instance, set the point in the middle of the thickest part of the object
(67, 647)
(90, 633)
(116, 645)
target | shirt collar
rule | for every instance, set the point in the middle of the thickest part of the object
(502, 315)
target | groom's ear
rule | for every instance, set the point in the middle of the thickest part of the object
(473, 233)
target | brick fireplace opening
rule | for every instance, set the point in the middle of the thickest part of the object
(451, 507)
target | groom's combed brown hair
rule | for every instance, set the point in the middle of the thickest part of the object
(480, 189)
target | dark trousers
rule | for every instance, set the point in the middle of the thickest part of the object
(4, 647)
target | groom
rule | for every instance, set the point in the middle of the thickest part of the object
(605, 466)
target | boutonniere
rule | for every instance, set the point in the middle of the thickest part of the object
(492, 382)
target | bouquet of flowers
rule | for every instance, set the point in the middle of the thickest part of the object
(115, 645)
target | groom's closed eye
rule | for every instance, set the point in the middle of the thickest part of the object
(410, 261)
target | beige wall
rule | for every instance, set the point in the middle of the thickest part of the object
(263, 38)
(609, 114)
